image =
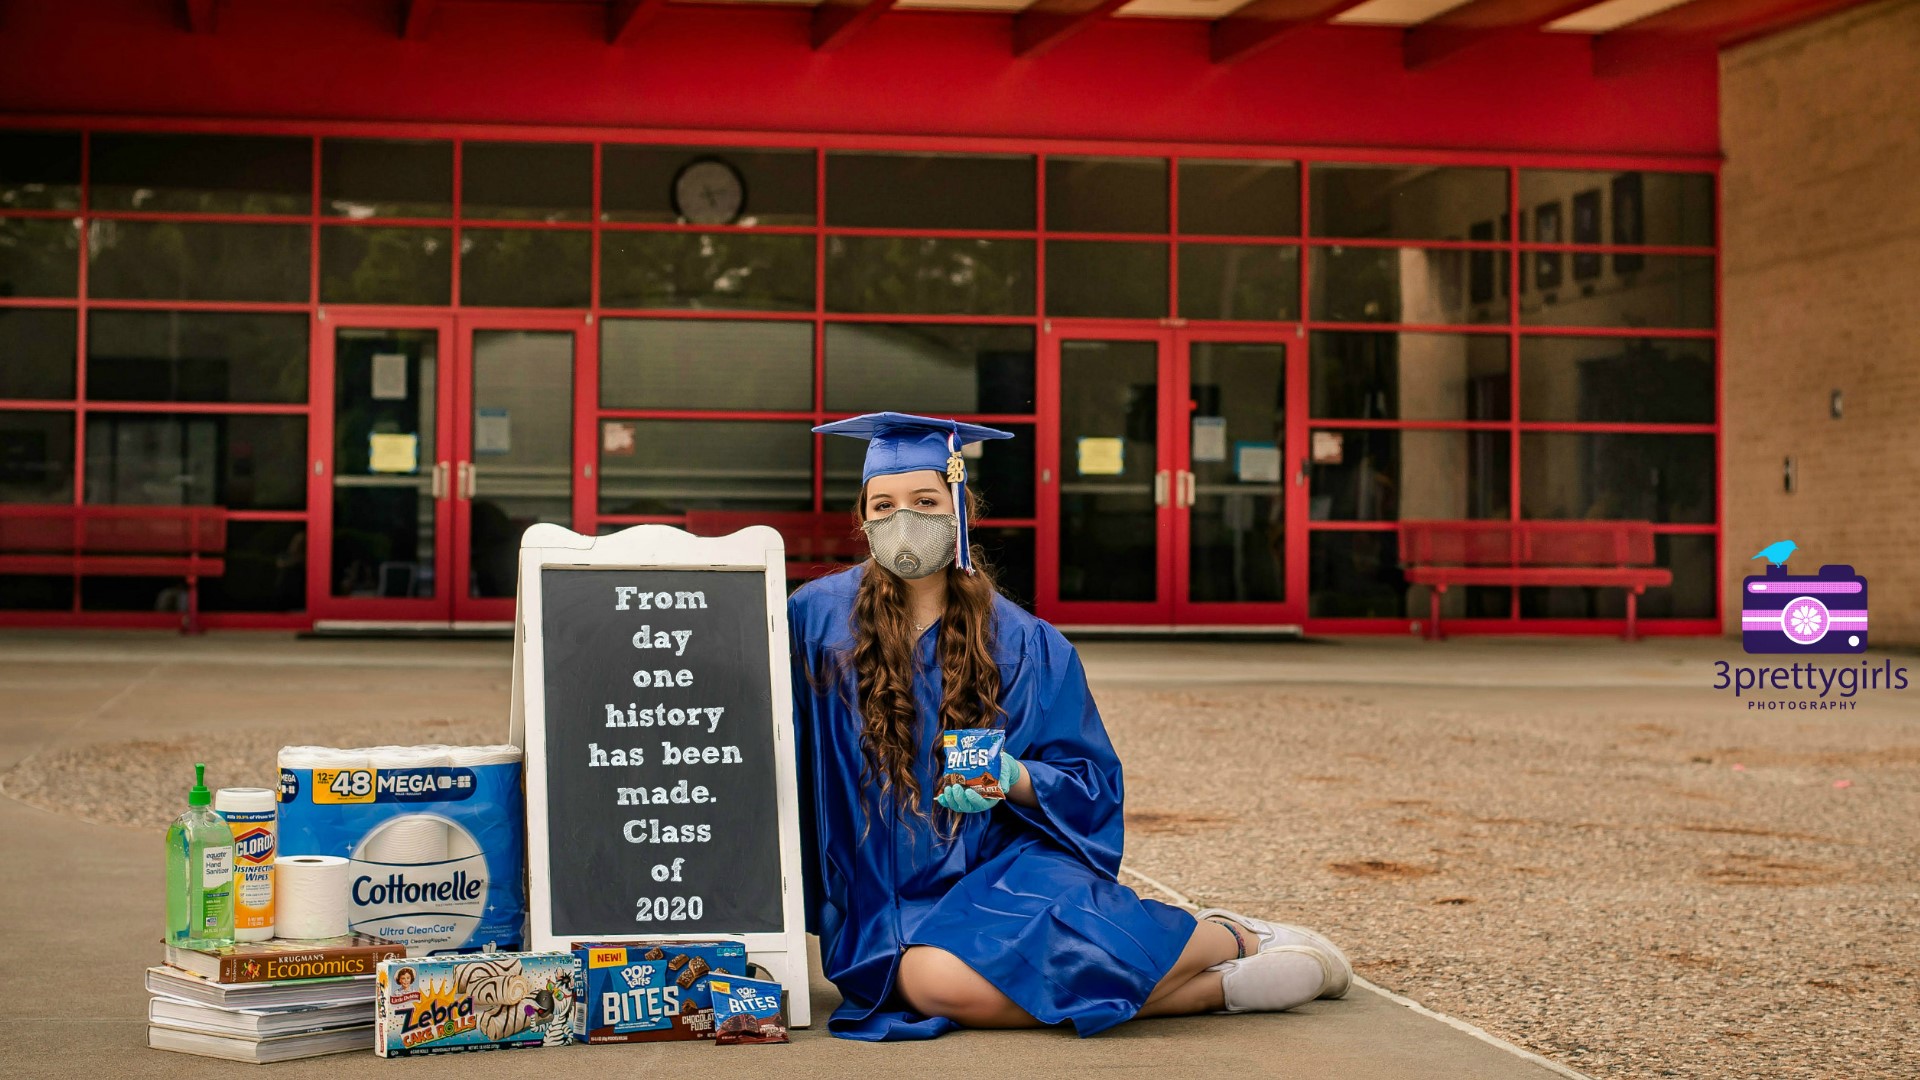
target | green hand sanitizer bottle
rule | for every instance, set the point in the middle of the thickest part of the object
(199, 873)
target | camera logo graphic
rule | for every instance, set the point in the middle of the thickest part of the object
(1796, 613)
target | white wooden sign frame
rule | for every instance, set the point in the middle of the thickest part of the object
(757, 549)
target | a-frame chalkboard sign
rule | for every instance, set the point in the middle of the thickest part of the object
(651, 692)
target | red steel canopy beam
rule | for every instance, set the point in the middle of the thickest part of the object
(1050, 22)
(1266, 22)
(834, 23)
(415, 17)
(199, 15)
(1478, 22)
(1702, 25)
(626, 17)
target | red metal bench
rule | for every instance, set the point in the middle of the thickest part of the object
(817, 544)
(117, 541)
(1517, 553)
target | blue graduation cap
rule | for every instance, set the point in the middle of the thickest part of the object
(902, 443)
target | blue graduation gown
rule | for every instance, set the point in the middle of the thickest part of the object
(1026, 897)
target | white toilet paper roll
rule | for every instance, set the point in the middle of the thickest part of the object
(413, 839)
(310, 896)
(409, 757)
(485, 755)
(321, 757)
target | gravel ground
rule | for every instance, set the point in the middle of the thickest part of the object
(1631, 881)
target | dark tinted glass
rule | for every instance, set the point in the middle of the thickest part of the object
(1107, 194)
(39, 257)
(1382, 475)
(1414, 202)
(526, 181)
(1664, 292)
(1610, 476)
(224, 174)
(171, 260)
(1388, 376)
(526, 268)
(705, 364)
(1617, 380)
(1634, 207)
(929, 369)
(929, 275)
(36, 457)
(1001, 470)
(161, 459)
(930, 191)
(730, 270)
(640, 183)
(266, 569)
(37, 347)
(196, 356)
(386, 178)
(375, 265)
(1092, 279)
(1010, 553)
(39, 170)
(1691, 596)
(1239, 281)
(1239, 198)
(1395, 285)
(1355, 575)
(36, 592)
(671, 466)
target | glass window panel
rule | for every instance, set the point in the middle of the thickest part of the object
(1617, 380)
(731, 270)
(1413, 202)
(1355, 575)
(196, 356)
(386, 531)
(39, 170)
(1239, 198)
(1423, 286)
(222, 174)
(362, 178)
(1107, 194)
(37, 347)
(526, 268)
(705, 364)
(1665, 292)
(36, 457)
(1108, 547)
(1384, 475)
(171, 260)
(1236, 522)
(1633, 207)
(1691, 596)
(1608, 476)
(1095, 279)
(672, 466)
(929, 369)
(522, 377)
(1002, 475)
(929, 275)
(526, 181)
(1009, 552)
(1390, 376)
(36, 592)
(266, 569)
(1239, 281)
(641, 183)
(377, 265)
(163, 459)
(930, 191)
(39, 257)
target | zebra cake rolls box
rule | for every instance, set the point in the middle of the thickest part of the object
(479, 1001)
(649, 991)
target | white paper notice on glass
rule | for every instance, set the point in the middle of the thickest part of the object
(616, 438)
(1256, 462)
(390, 453)
(389, 376)
(1209, 438)
(1100, 456)
(492, 431)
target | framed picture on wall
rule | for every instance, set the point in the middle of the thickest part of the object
(1586, 230)
(1629, 224)
(1546, 230)
(1480, 265)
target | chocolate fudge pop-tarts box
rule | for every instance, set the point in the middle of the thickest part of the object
(649, 991)
(477, 1001)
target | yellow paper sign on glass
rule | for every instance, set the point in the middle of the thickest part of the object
(391, 453)
(1102, 456)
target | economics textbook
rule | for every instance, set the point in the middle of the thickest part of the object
(283, 959)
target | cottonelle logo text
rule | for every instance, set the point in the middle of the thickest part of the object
(1788, 614)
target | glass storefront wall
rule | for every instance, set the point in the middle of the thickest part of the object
(158, 293)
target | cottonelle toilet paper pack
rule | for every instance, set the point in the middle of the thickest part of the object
(432, 836)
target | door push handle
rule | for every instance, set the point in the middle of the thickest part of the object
(1300, 475)
(1187, 482)
(468, 470)
(440, 480)
(1160, 488)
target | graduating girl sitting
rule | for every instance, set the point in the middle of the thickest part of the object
(942, 909)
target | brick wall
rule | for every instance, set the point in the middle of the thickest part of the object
(1821, 198)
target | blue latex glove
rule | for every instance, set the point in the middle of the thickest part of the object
(965, 800)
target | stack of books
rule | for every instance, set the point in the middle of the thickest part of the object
(263, 1001)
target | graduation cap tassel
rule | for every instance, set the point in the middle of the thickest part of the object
(957, 484)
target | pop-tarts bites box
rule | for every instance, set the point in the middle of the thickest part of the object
(649, 991)
(972, 758)
(479, 1001)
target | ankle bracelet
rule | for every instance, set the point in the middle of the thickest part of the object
(1239, 943)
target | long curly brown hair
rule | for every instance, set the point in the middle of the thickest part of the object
(883, 665)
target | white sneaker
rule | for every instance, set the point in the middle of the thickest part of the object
(1274, 979)
(1272, 934)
